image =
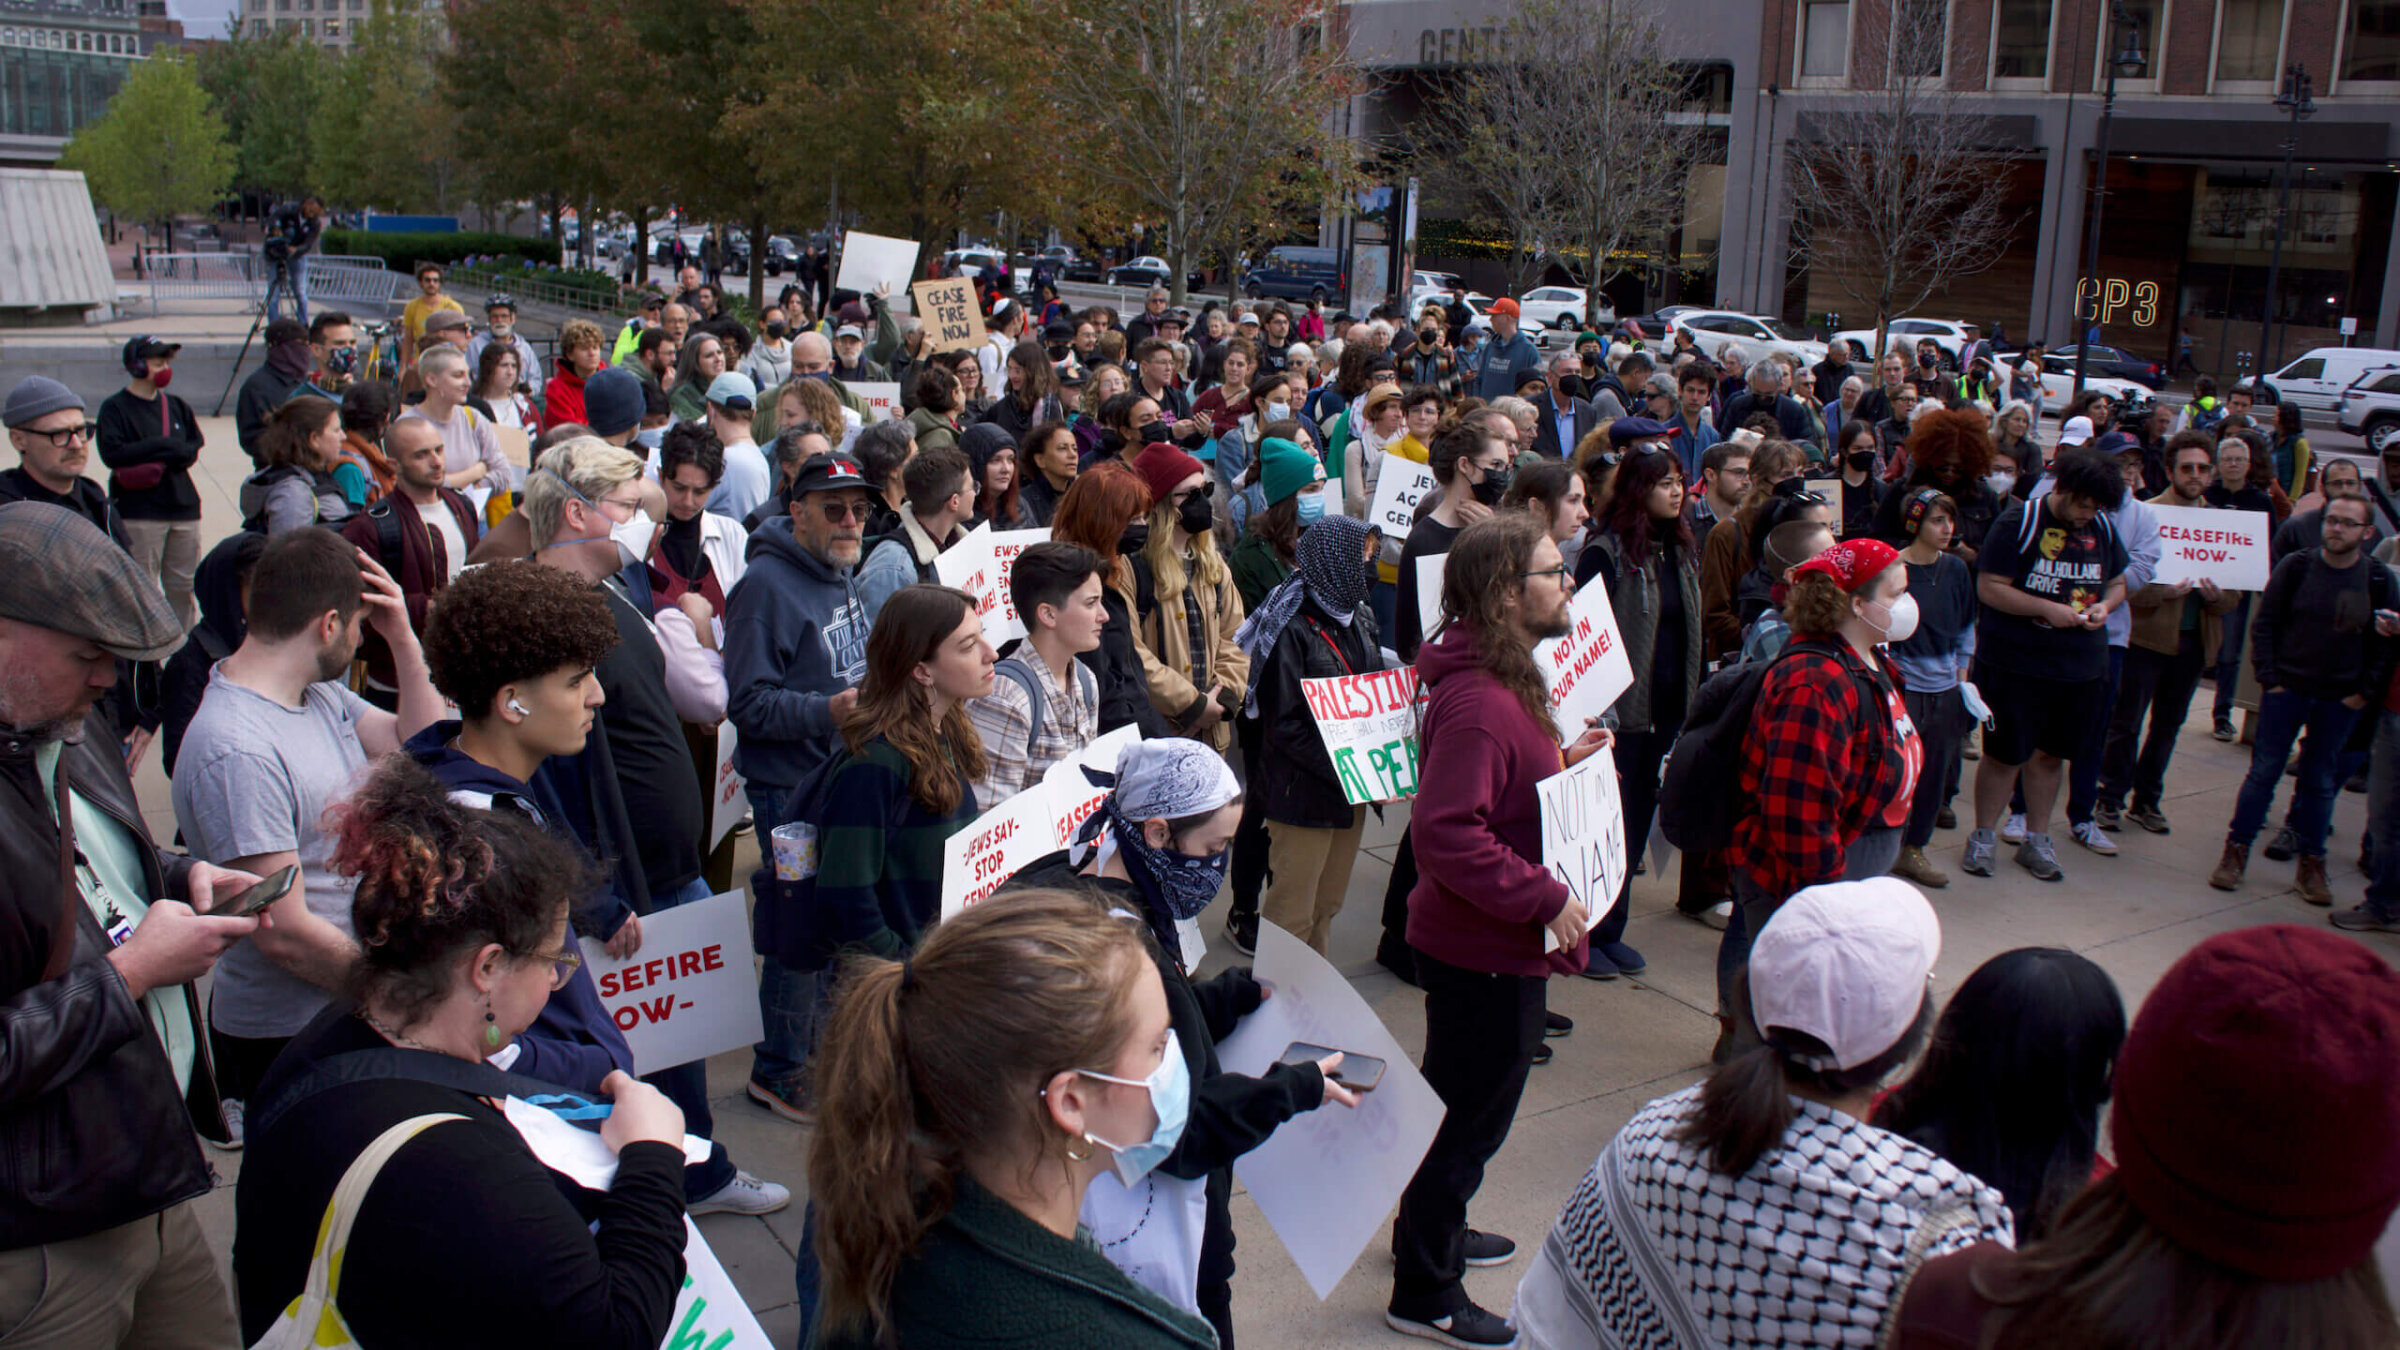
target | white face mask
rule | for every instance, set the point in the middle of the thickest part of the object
(633, 538)
(1277, 412)
(1899, 618)
(2000, 481)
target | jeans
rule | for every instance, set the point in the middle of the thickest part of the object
(686, 1085)
(1250, 837)
(2160, 686)
(1385, 597)
(1639, 755)
(791, 1003)
(2383, 819)
(1870, 855)
(2083, 771)
(2229, 657)
(1941, 720)
(2282, 715)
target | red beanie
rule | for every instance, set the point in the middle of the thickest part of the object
(1164, 467)
(2257, 1117)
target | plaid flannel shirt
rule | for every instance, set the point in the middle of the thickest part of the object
(1004, 719)
(1820, 765)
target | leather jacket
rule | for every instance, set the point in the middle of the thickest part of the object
(94, 1132)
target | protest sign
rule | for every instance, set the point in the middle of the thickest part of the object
(1327, 1179)
(952, 317)
(1006, 545)
(977, 859)
(1831, 490)
(1587, 668)
(1073, 796)
(973, 565)
(2197, 543)
(1369, 726)
(1429, 591)
(690, 991)
(1400, 483)
(872, 260)
(882, 398)
(1583, 833)
(727, 800)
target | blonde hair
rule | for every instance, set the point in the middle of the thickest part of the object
(1166, 564)
(585, 465)
(577, 334)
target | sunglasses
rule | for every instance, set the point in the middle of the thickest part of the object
(837, 512)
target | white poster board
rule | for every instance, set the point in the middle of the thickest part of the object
(1369, 726)
(1430, 570)
(872, 260)
(970, 566)
(1073, 796)
(727, 800)
(1831, 490)
(1327, 1179)
(1006, 545)
(690, 991)
(1400, 483)
(1587, 669)
(1583, 834)
(2197, 543)
(882, 398)
(979, 858)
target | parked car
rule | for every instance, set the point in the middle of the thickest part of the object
(2317, 381)
(974, 263)
(1083, 267)
(1753, 335)
(1147, 270)
(783, 255)
(1293, 272)
(1950, 335)
(2370, 408)
(2058, 387)
(1559, 307)
(2121, 364)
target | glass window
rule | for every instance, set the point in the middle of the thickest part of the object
(333, 28)
(2021, 42)
(2306, 368)
(2389, 384)
(1919, 37)
(2373, 49)
(1825, 44)
(2246, 42)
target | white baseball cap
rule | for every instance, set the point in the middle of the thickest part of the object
(1846, 963)
(2076, 431)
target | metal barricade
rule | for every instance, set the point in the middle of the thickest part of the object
(359, 286)
(169, 277)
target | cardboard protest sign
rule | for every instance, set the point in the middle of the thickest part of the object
(1400, 484)
(1583, 833)
(1327, 1179)
(952, 317)
(1369, 726)
(727, 800)
(872, 260)
(690, 991)
(979, 858)
(2196, 543)
(1430, 570)
(1587, 668)
(882, 398)
(515, 446)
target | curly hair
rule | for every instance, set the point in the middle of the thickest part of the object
(510, 621)
(696, 444)
(1949, 447)
(1816, 605)
(576, 334)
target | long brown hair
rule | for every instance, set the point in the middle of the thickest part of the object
(2105, 1279)
(1096, 509)
(1487, 565)
(908, 631)
(924, 1063)
(290, 437)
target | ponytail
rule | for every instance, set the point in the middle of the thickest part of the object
(877, 1182)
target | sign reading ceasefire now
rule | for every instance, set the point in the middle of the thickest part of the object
(690, 991)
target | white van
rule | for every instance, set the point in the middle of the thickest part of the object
(2315, 382)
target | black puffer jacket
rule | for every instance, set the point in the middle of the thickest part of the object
(1297, 784)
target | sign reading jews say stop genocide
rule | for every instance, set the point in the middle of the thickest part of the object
(690, 992)
(1369, 726)
(2196, 543)
(1587, 669)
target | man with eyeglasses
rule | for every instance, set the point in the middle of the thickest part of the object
(53, 435)
(795, 651)
(279, 739)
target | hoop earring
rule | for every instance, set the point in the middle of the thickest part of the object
(1073, 1156)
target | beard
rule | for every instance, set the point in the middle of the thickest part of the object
(333, 663)
(1556, 625)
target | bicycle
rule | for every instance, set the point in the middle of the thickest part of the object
(376, 340)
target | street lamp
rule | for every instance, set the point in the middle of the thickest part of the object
(2296, 104)
(2128, 61)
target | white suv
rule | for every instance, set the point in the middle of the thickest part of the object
(1950, 335)
(1753, 335)
(2370, 408)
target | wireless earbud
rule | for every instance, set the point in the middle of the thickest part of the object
(518, 708)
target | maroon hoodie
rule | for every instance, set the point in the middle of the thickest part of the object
(1483, 896)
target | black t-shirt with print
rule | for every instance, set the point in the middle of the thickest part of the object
(2042, 555)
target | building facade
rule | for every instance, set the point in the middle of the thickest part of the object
(60, 62)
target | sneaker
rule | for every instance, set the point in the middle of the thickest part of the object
(1470, 1327)
(2228, 876)
(2040, 857)
(1489, 1249)
(1555, 1025)
(1719, 915)
(1241, 930)
(1980, 847)
(2223, 730)
(2012, 829)
(1599, 967)
(1624, 958)
(745, 1194)
(795, 1103)
(2311, 880)
(2091, 836)
(1945, 819)
(2149, 818)
(1915, 866)
(233, 1127)
(2107, 817)
(2284, 845)
(2362, 920)
(743, 826)
(1542, 1054)
(1972, 750)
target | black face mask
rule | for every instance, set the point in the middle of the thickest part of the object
(1156, 431)
(1134, 540)
(777, 330)
(1494, 485)
(1861, 460)
(1197, 514)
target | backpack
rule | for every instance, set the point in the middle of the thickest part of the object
(1013, 668)
(784, 918)
(1700, 795)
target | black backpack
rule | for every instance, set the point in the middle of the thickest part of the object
(1700, 797)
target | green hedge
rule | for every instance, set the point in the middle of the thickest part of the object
(401, 252)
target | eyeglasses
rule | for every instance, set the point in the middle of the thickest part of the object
(837, 512)
(562, 968)
(66, 436)
(620, 503)
(1559, 571)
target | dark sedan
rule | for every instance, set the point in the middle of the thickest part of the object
(2113, 361)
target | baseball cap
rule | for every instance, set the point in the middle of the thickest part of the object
(1845, 963)
(1058, 330)
(140, 349)
(2076, 431)
(1626, 429)
(733, 389)
(653, 301)
(1504, 305)
(1244, 317)
(37, 396)
(853, 312)
(824, 473)
(1072, 373)
(66, 576)
(443, 320)
(850, 330)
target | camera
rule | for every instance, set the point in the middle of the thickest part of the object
(289, 231)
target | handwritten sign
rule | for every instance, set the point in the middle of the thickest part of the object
(1073, 796)
(1006, 545)
(882, 398)
(977, 860)
(952, 317)
(980, 564)
(1369, 726)
(872, 260)
(1400, 484)
(1583, 833)
(2197, 543)
(690, 991)
(1327, 1179)
(1831, 490)
(1587, 669)
(727, 800)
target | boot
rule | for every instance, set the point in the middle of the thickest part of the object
(1914, 865)
(2312, 881)
(2236, 861)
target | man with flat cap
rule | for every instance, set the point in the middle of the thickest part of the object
(101, 936)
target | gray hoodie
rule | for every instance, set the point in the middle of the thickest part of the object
(795, 636)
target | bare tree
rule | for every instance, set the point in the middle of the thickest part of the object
(1903, 185)
(1569, 138)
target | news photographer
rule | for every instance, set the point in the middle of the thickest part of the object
(292, 233)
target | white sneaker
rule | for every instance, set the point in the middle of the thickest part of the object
(1719, 916)
(2091, 836)
(745, 1194)
(2012, 830)
(233, 1123)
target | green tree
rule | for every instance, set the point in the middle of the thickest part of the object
(160, 151)
(383, 139)
(271, 89)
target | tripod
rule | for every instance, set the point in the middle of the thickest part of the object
(279, 283)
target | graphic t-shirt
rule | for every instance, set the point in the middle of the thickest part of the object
(2043, 555)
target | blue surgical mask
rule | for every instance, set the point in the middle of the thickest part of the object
(650, 437)
(1312, 506)
(1170, 1089)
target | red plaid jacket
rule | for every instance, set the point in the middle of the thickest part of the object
(1822, 761)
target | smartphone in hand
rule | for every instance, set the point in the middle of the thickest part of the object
(1359, 1073)
(260, 896)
